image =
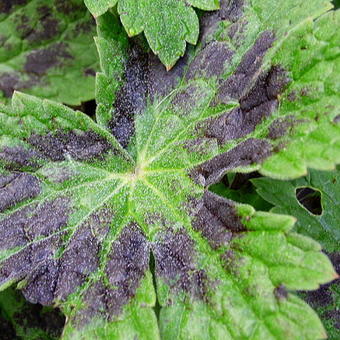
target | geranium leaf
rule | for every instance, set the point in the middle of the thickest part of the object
(167, 24)
(47, 49)
(323, 226)
(114, 221)
(279, 101)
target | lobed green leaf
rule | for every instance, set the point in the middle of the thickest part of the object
(114, 221)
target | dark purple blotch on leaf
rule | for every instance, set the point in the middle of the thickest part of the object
(127, 263)
(76, 145)
(175, 258)
(17, 187)
(36, 229)
(131, 98)
(38, 62)
(216, 218)
(6, 6)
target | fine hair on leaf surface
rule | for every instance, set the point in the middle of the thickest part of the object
(112, 219)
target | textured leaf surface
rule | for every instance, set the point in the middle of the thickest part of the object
(47, 49)
(99, 7)
(324, 228)
(167, 24)
(114, 221)
(285, 115)
(22, 320)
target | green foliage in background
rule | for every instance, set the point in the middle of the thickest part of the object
(47, 49)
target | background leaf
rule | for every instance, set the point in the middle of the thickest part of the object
(47, 49)
(323, 227)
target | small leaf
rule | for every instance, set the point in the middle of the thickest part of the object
(112, 48)
(167, 24)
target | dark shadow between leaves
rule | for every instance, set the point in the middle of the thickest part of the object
(157, 307)
(310, 199)
(89, 108)
(239, 188)
(20, 319)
